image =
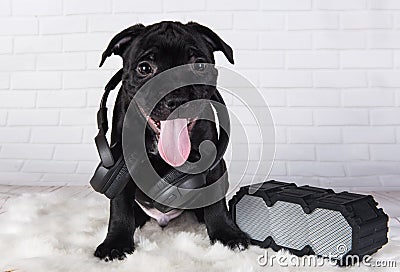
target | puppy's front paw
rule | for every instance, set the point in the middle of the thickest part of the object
(232, 237)
(114, 250)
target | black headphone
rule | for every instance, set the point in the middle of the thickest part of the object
(112, 175)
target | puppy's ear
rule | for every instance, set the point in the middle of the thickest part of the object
(216, 42)
(120, 41)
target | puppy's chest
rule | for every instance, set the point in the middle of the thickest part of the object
(161, 218)
(147, 205)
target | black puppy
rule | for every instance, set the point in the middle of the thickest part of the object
(146, 52)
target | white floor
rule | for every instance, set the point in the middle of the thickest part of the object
(57, 229)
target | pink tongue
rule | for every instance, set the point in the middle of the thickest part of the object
(174, 143)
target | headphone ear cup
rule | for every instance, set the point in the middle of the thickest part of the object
(110, 181)
(118, 180)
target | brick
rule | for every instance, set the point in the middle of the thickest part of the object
(366, 59)
(286, 5)
(113, 63)
(244, 152)
(321, 169)
(5, 7)
(339, 40)
(253, 77)
(313, 98)
(295, 152)
(89, 133)
(396, 21)
(311, 135)
(76, 152)
(86, 42)
(292, 117)
(94, 97)
(36, 80)
(274, 97)
(351, 181)
(312, 60)
(61, 62)
(10, 165)
(18, 26)
(64, 135)
(365, 20)
(219, 20)
(278, 169)
(385, 116)
(14, 134)
(390, 181)
(152, 18)
(6, 45)
(49, 99)
(368, 98)
(86, 167)
(385, 152)
(384, 4)
(3, 117)
(232, 5)
(384, 78)
(340, 4)
(342, 152)
(253, 130)
(373, 168)
(20, 99)
(258, 59)
(4, 80)
(26, 151)
(243, 114)
(340, 79)
(383, 39)
(237, 168)
(41, 7)
(285, 40)
(33, 117)
(69, 180)
(111, 23)
(79, 7)
(16, 178)
(178, 5)
(340, 117)
(240, 39)
(85, 79)
(368, 135)
(259, 20)
(312, 20)
(280, 134)
(17, 63)
(127, 6)
(84, 116)
(286, 79)
(46, 166)
(397, 59)
(62, 25)
(37, 44)
(398, 135)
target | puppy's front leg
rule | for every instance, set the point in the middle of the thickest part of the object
(121, 227)
(220, 226)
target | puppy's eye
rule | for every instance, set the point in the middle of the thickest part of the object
(199, 65)
(144, 68)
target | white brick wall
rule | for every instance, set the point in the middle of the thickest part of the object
(330, 71)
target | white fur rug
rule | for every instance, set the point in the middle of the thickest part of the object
(53, 232)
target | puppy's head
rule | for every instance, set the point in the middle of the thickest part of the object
(149, 50)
